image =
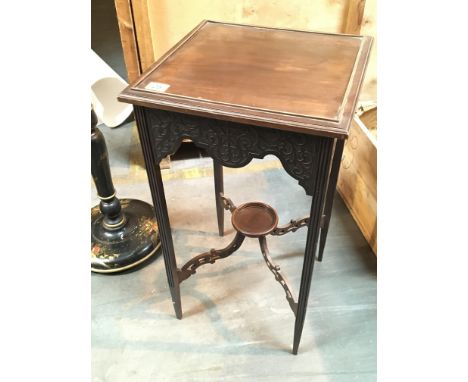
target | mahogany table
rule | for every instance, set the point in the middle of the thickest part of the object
(242, 92)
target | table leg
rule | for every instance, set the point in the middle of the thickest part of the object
(160, 208)
(219, 189)
(331, 188)
(312, 237)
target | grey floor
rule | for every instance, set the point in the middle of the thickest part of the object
(237, 323)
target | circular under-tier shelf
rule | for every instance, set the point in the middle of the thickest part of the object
(254, 219)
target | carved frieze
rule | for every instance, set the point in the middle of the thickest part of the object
(235, 144)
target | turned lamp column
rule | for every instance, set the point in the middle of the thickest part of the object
(123, 232)
(110, 205)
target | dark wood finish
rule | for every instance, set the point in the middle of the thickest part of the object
(254, 219)
(305, 157)
(219, 190)
(233, 144)
(290, 80)
(228, 204)
(312, 237)
(241, 61)
(275, 269)
(331, 189)
(190, 268)
(159, 201)
(293, 226)
(243, 92)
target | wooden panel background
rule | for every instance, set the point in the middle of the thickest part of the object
(357, 183)
(142, 15)
(369, 28)
(128, 38)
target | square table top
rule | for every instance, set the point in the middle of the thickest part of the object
(306, 82)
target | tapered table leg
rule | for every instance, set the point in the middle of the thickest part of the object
(159, 201)
(160, 209)
(312, 237)
(219, 189)
(334, 172)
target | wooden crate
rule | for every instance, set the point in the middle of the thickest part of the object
(357, 183)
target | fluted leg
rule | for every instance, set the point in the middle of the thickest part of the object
(219, 189)
(160, 209)
(334, 172)
(312, 237)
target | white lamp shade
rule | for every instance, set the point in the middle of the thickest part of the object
(106, 85)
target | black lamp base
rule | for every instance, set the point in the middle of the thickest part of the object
(135, 241)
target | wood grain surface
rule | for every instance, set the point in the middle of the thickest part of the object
(128, 38)
(357, 183)
(143, 32)
(287, 79)
(291, 72)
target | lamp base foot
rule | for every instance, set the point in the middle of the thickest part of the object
(116, 250)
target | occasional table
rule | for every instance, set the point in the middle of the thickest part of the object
(242, 92)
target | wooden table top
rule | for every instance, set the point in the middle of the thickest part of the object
(292, 80)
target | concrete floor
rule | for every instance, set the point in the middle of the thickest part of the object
(237, 323)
